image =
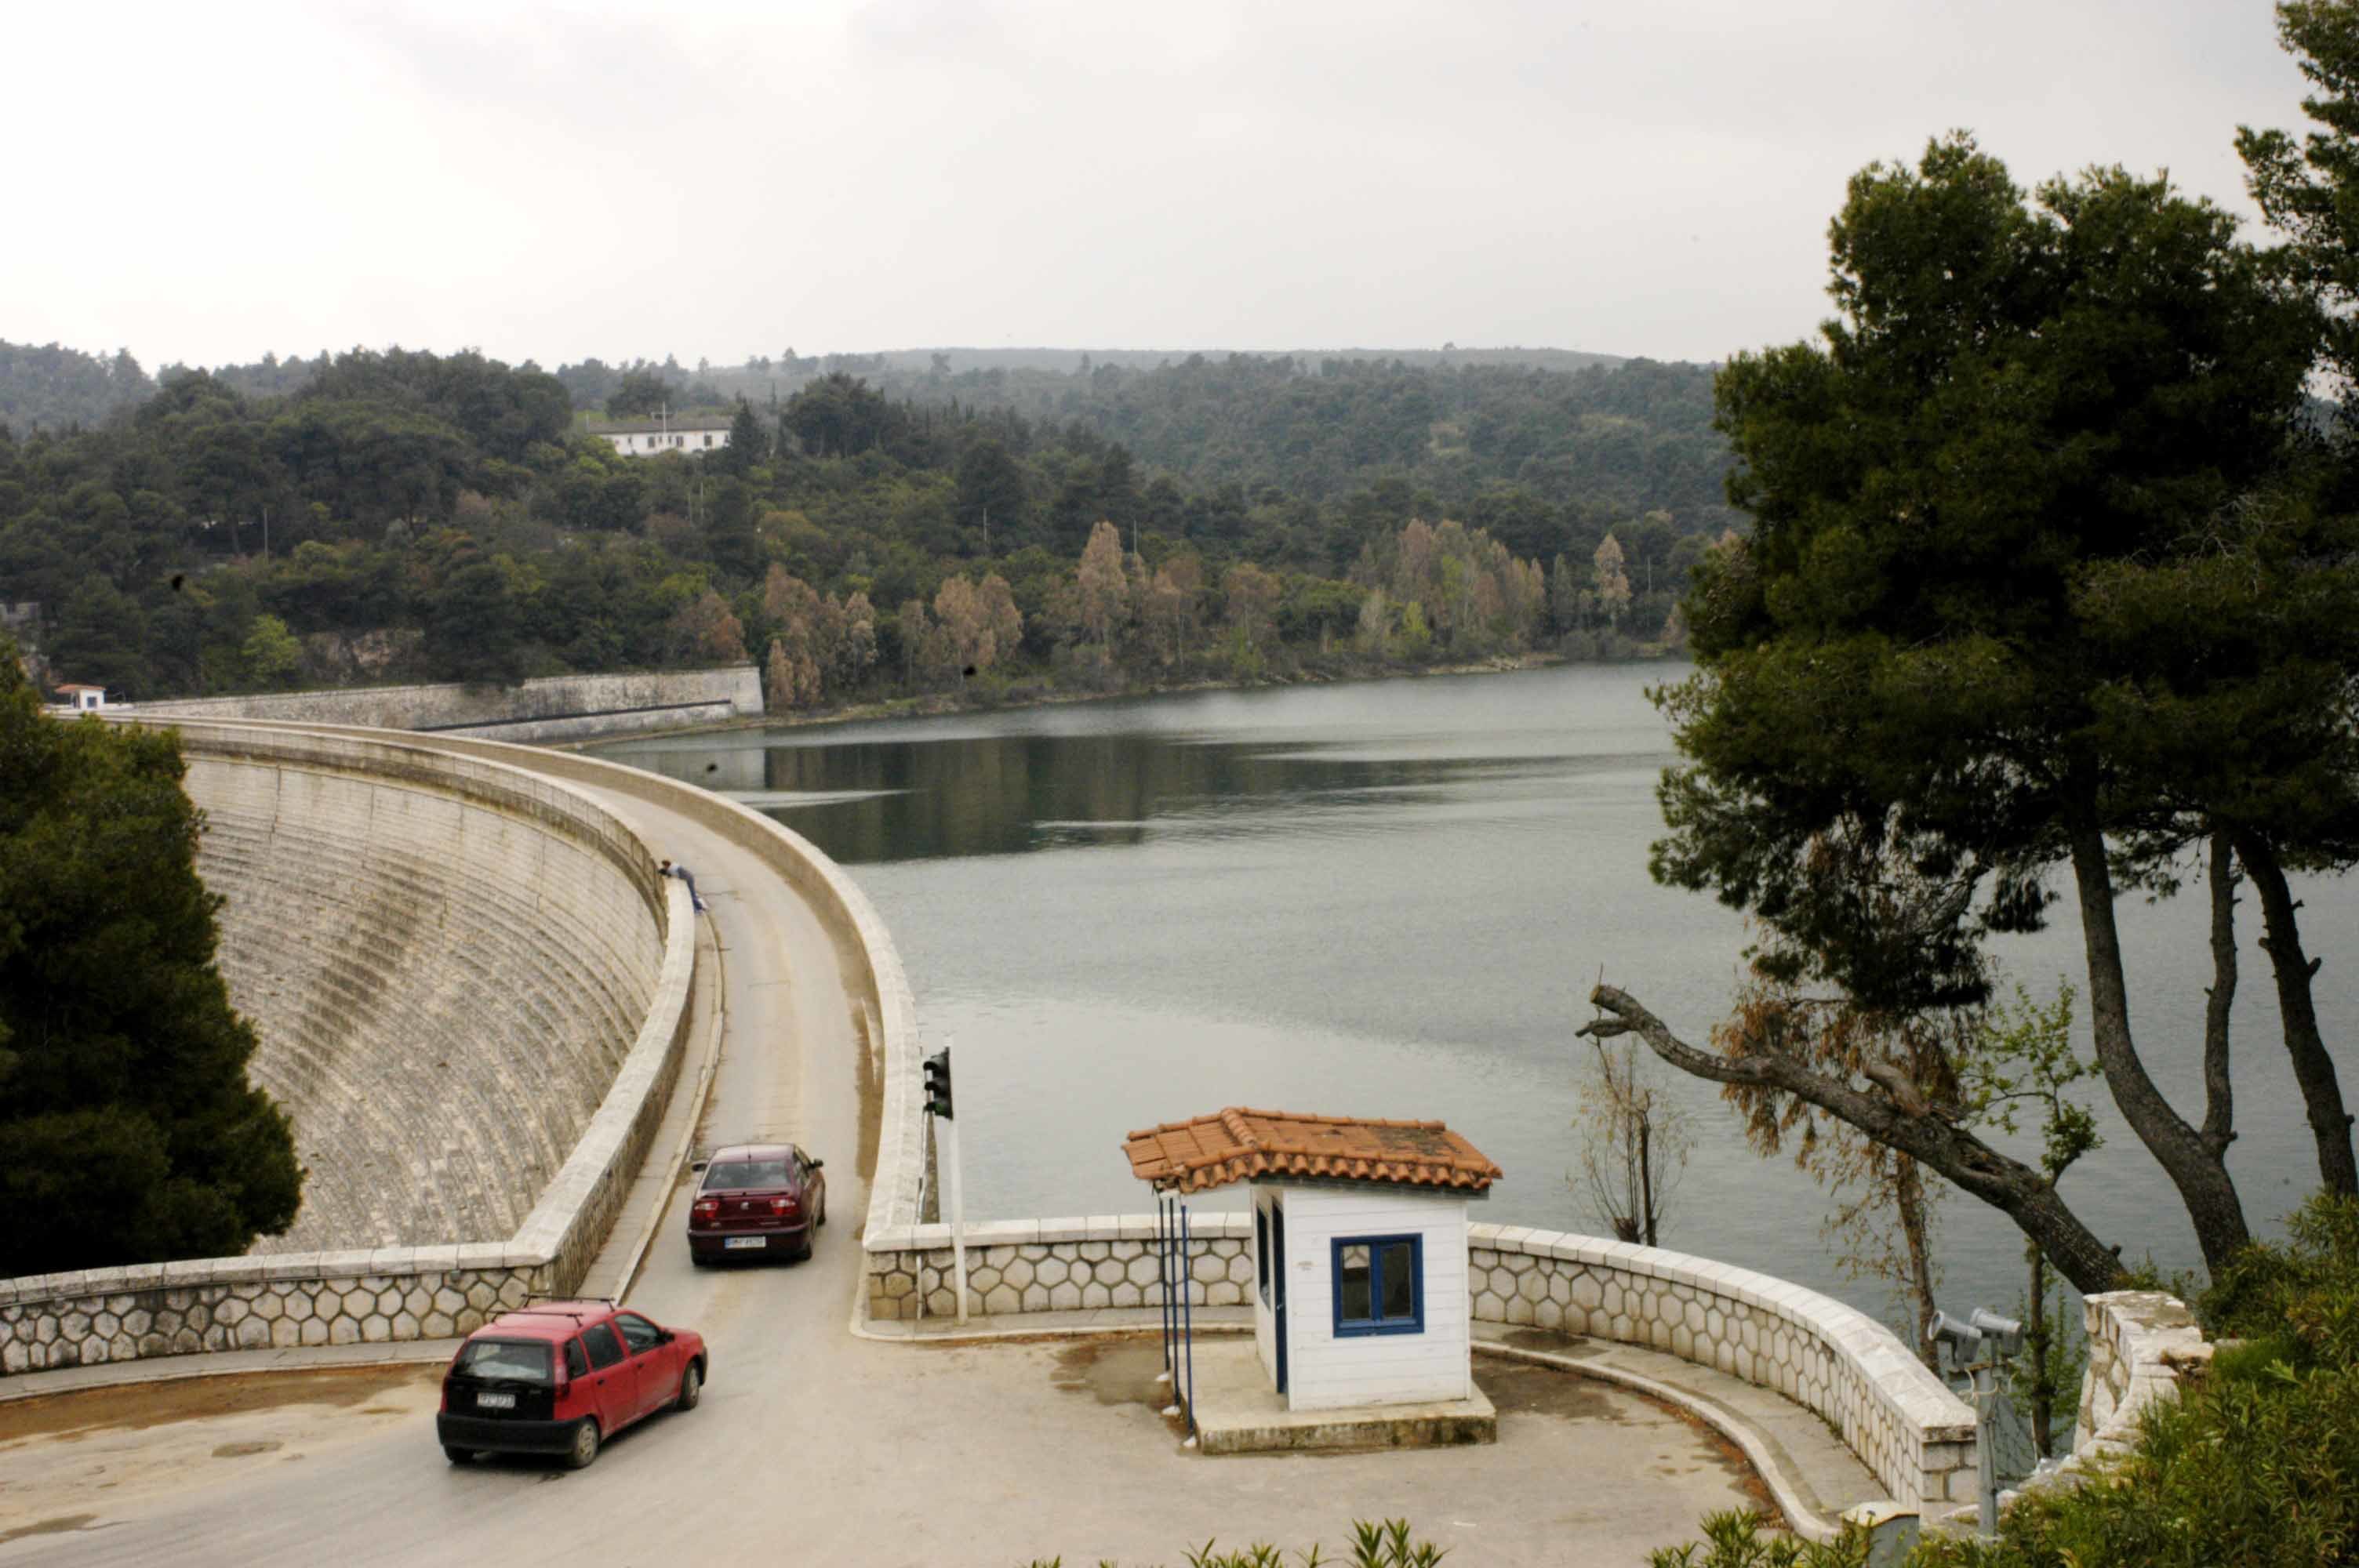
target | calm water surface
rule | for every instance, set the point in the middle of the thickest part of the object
(1389, 899)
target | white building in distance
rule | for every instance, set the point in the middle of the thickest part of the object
(646, 437)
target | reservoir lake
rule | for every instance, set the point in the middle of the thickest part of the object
(1390, 899)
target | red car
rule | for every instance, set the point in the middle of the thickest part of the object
(756, 1200)
(563, 1377)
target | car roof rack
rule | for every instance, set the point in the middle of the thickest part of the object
(546, 1306)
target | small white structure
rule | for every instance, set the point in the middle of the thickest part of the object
(1360, 1286)
(82, 698)
(647, 437)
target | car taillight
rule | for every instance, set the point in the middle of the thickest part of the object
(708, 1208)
(782, 1206)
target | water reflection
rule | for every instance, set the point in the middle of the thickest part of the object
(869, 803)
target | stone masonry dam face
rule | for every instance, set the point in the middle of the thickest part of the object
(444, 983)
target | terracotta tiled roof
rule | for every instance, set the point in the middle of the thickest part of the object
(1238, 1144)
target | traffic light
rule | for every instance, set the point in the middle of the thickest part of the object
(937, 1084)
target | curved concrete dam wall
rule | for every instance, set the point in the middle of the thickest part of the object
(470, 989)
(446, 970)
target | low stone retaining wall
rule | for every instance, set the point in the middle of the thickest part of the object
(1053, 1265)
(552, 707)
(2143, 1346)
(1913, 1434)
(397, 1292)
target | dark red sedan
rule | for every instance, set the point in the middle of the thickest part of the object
(562, 1378)
(756, 1200)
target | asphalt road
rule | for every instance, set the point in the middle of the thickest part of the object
(812, 1445)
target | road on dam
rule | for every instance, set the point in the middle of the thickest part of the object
(812, 1445)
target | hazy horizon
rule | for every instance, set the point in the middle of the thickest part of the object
(736, 178)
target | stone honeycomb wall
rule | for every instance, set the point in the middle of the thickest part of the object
(1056, 1265)
(589, 880)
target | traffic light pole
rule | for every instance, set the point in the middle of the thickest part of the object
(942, 1111)
(958, 1209)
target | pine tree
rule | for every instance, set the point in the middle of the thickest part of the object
(128, 1131)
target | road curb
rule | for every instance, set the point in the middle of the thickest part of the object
(1800, 1517)
(188, 1369)
(710, 1070)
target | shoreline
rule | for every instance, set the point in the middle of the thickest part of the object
(941, 703)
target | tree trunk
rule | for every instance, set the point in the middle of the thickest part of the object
(2203, 1184)
(1909, 1197)
(2219, 1092)
(2313, 1069)
(2007, 1185)
(1647, 1173)
(2035, 1334)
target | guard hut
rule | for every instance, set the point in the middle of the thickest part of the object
(1360, 1301)
(82, 698)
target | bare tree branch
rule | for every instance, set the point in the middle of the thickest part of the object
(2007, 1185)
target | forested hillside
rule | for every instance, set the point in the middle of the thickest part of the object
(378, 517)
(52, 388)
(1620, 439)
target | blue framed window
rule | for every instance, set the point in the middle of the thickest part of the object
(1261, 1251)
(1379, 1285)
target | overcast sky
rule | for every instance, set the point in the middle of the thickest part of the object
(712, 179)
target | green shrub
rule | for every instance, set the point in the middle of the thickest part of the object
(2247, 1472)
(2308, 1288)
(1734, 1539)
(1391, 1544)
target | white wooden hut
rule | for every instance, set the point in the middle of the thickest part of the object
(1359, 1292)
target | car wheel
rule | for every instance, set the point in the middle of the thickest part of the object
(691, 1387)
(696, 1260)
(457, 1455)
(822, 1206)
(803, 1256)
(585, 1445)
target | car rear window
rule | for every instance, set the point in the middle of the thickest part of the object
(577, 1360)
(730, 1175)
(516, 1360)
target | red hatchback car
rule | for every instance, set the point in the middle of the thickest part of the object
(563, 1377)
(756, 1200)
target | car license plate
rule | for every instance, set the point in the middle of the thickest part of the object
(736, 1241)
(496, 1401)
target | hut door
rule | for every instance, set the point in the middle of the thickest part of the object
(1277, 1258)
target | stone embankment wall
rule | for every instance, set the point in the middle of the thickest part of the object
(2143, 1346)
(583, 882)
(556, 708)
(1913, 1434)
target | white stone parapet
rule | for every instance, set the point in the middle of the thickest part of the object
(587, 885)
